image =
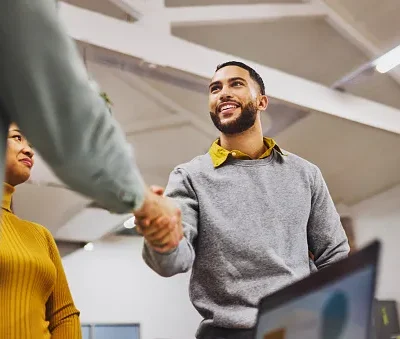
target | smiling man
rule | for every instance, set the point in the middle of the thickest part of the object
(250, 213)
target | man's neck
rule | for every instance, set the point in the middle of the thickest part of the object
(250, 142)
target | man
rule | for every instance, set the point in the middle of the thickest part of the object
(250, 212)
(44, 89)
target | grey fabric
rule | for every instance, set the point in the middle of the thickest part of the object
(44, 88)
(211, 332)
(248, 227)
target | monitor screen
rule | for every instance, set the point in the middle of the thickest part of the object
(340, 309)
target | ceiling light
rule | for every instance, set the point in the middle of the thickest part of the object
(130, 223)
(388, 61)
(89, 246)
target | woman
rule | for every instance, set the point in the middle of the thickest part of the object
(35, 300)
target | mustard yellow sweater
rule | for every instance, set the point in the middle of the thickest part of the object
(35, 300)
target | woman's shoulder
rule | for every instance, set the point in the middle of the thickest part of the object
(37, 228)
(42, 229)
(33, 233)
(47, 238)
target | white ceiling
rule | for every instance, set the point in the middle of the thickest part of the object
(357, 161)
(309, 48)
(104, 7)
(168, 123)
(376, 19)
(181, 3)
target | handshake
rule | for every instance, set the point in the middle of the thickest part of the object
(159, 221)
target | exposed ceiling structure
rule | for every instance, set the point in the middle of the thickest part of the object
(155, 58)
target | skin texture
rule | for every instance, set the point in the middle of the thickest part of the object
(19, 157)
(240, 126)
(233, 85)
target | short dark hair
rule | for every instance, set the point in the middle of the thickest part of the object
(253, 74)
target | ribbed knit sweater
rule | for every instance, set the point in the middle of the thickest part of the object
(35, 300)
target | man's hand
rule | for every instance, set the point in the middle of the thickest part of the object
(159, 220)
(154, 206)
(163, 235)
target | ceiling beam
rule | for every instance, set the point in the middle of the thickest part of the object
(233, 14)
(174, 53)
(354, 76)
(89, 224)
(135, 8)
(157, 3)
(171, 121)
(182, 113)
(347, 28)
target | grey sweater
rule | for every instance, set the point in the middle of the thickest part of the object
(248, 226)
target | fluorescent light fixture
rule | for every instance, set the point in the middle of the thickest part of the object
(130, 223)
(89, 246)
(388, 61)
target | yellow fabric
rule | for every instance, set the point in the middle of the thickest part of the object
(35, 300)
(219, 154)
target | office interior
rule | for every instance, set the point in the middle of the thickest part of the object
(330, 71)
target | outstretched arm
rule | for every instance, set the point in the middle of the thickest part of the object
(181, 258)
(44, 88)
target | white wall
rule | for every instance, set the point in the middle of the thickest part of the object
(112, 284)
(379, 218)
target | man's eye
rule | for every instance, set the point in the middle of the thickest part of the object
(18, 137)
(237, 83)
(213, 89)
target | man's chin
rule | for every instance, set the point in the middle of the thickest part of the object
(228, 130)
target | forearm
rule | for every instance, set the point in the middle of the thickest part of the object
(334, 252)
(327, 240)
(68, 328)
(179, 260)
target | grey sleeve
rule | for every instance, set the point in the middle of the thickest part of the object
(44, 88)
(326, 237)
(181, 259)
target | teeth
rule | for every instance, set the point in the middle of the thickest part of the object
(223, 108)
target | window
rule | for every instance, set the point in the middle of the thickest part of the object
(111, 331)
(85, 331)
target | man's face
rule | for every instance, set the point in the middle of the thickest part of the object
(234, 100)
(19, 158)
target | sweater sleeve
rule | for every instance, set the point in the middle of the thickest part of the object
(44, 88)
(181, 259)
(61, 312)
(327, 239)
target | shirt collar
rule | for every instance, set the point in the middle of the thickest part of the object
(8, 190)
(219, 154)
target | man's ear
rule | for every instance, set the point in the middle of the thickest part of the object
(262, 103)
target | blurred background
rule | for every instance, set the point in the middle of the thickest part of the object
(329, 67)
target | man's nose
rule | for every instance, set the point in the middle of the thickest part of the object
(225, 93)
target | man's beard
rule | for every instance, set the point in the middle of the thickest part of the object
(242, 123)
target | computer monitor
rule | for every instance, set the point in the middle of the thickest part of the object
(334, 303)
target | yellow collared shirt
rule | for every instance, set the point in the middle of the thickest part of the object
(219, 154)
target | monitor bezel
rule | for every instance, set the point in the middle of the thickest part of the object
(368, 256)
